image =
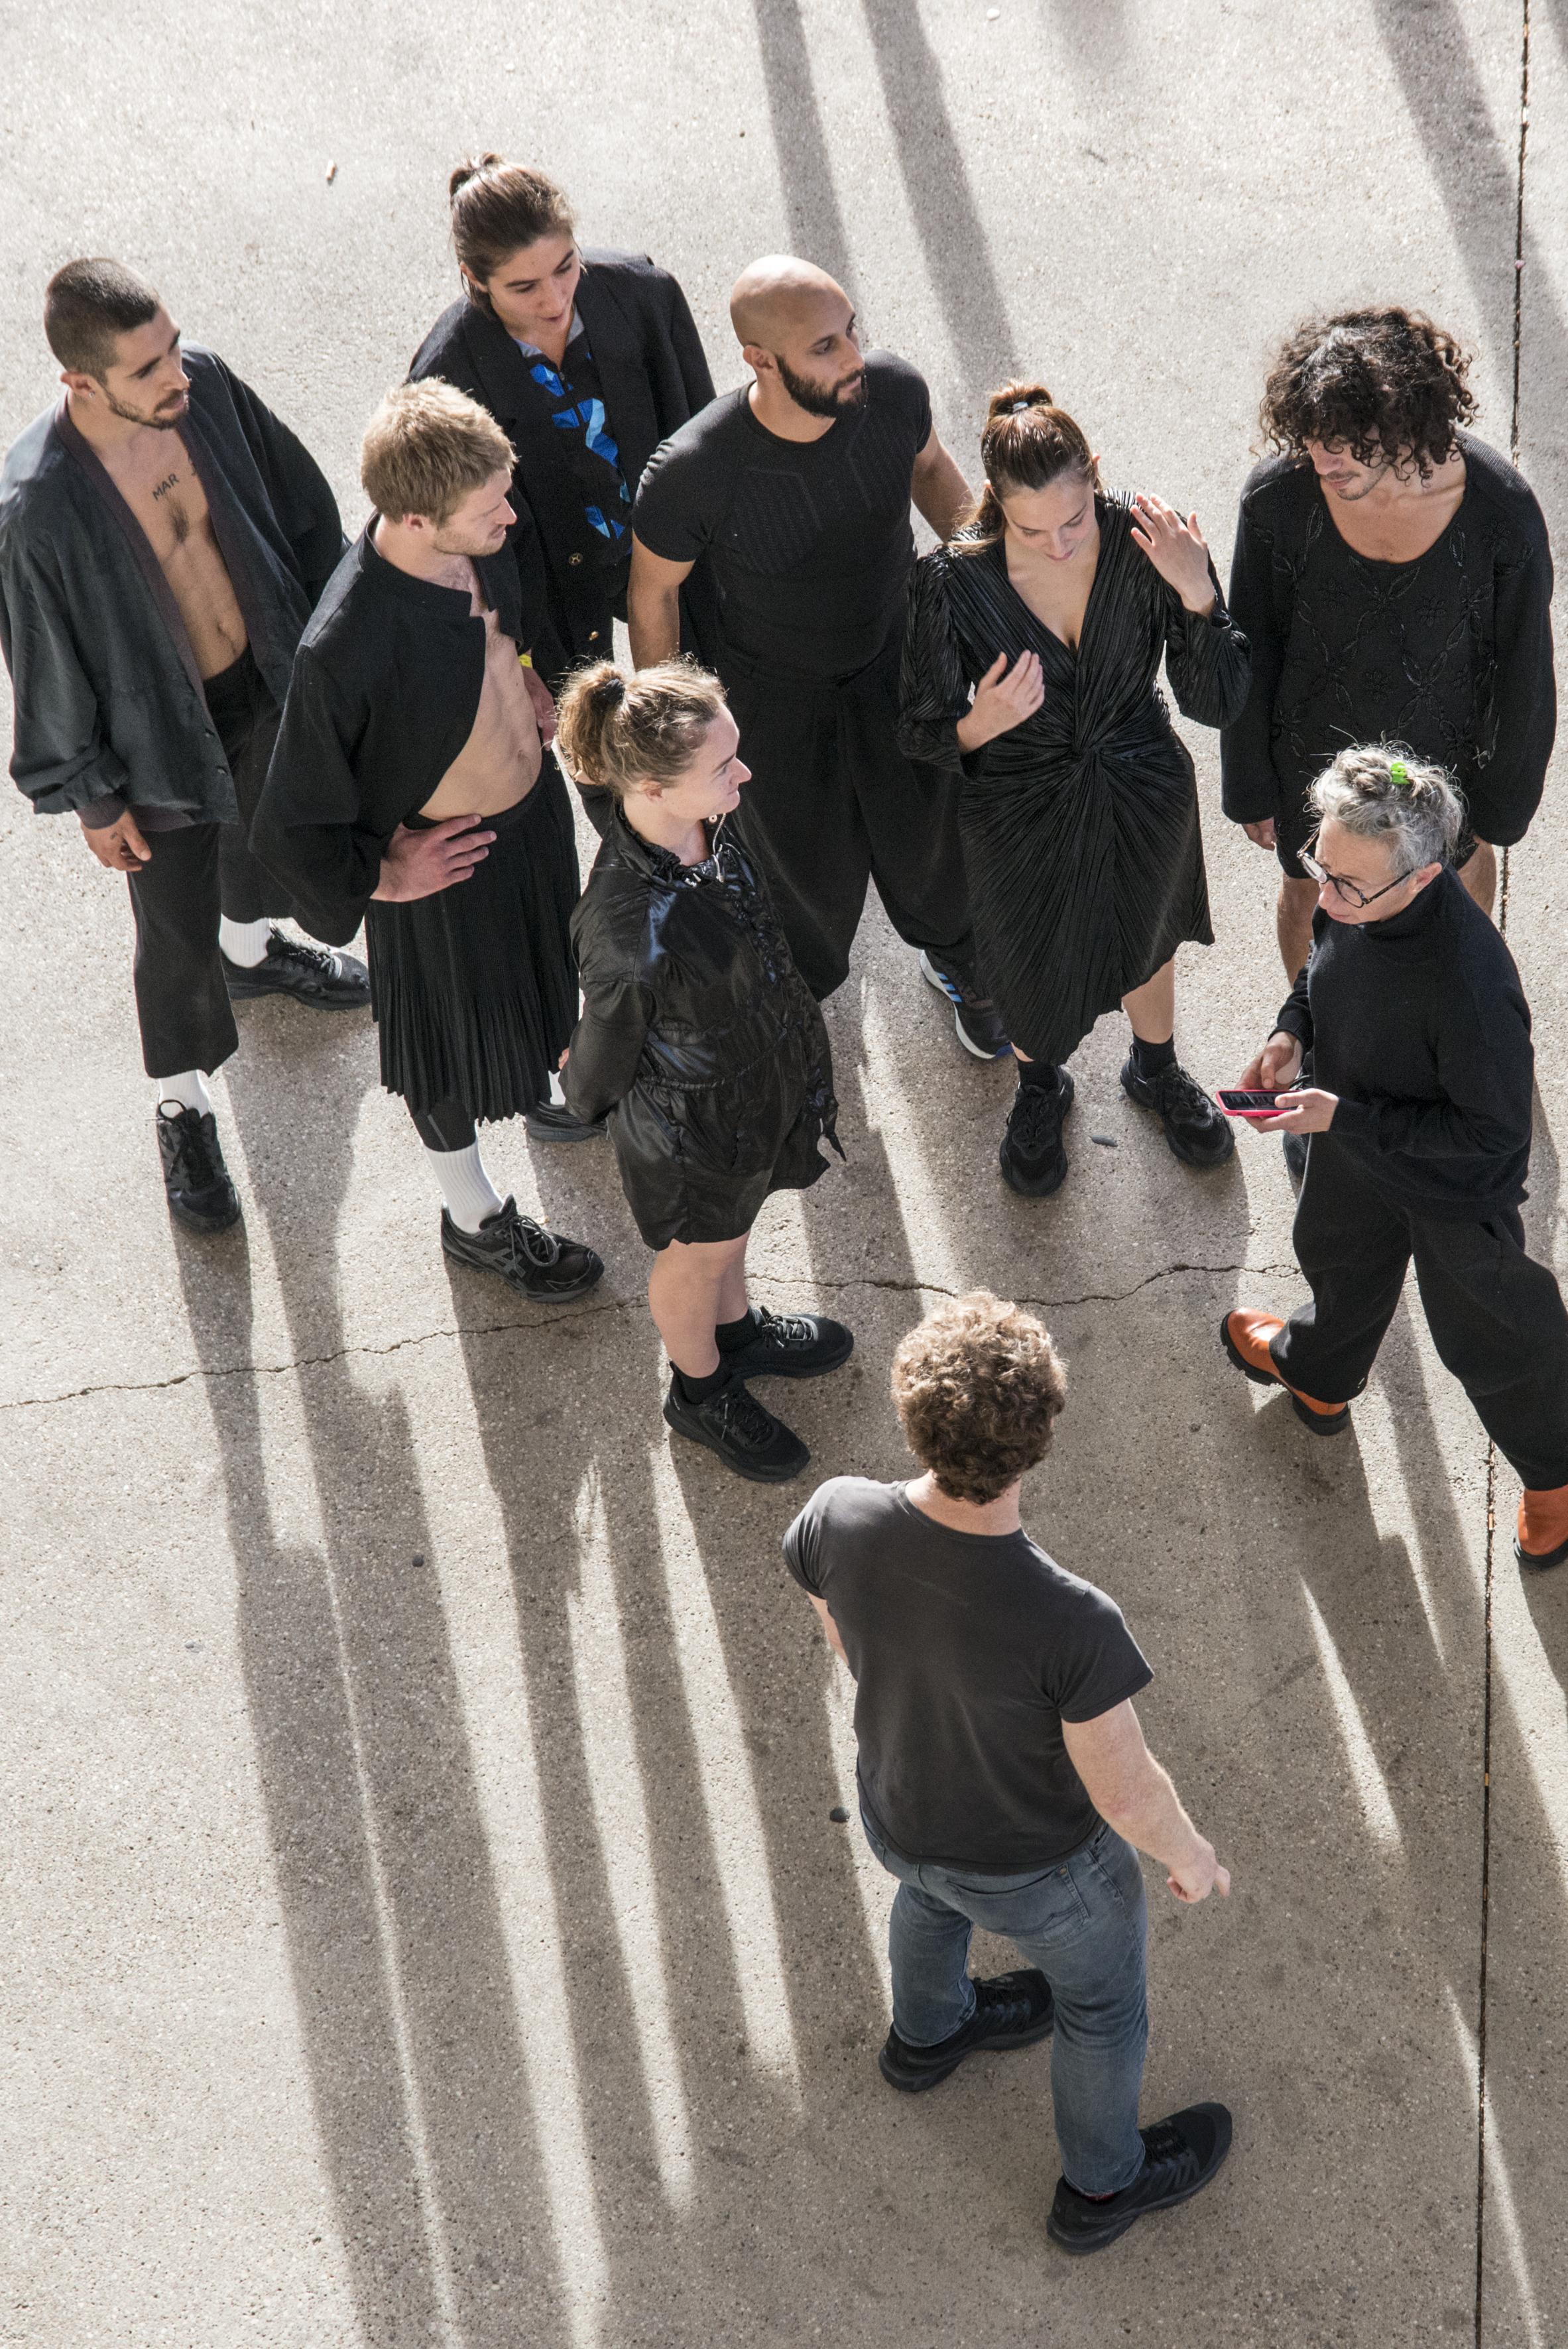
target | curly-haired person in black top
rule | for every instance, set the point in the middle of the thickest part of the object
(1394, 579)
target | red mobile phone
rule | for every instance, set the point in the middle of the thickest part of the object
(1247, 1104)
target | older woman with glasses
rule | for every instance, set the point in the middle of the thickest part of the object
(1419, 1118)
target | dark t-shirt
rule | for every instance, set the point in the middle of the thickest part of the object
(809, 540)
(969, 1651)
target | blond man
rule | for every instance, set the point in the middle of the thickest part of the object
(409, 790)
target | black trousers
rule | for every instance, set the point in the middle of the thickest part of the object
(833, 804)
(1496, 1316)
(195, 874)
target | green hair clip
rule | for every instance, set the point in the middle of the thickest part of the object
(1398, 773)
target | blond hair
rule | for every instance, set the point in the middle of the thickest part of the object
(977, 1388)
(427, 448)
(619, 731)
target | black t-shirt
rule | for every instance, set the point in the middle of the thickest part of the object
(809, 540)
(969, 1651)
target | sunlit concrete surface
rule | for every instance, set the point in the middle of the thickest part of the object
(423, 1924)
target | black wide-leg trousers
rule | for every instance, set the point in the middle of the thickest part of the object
(833, 804)
(1496, 1316)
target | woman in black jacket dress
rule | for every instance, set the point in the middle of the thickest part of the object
(701, 1043)
(1034, 642)
(587, 360)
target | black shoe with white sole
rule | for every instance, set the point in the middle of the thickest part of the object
(548, 1121)
(789, 1346)
(317, 976)
(196, 1181)
(1033, 1157)
(537, 1263)
(745, 1436)
(1180, 2157)
(977, 1022)
(1010, 2011)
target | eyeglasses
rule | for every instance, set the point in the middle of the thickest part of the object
(1347, 889)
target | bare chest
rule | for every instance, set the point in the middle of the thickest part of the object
(1058, 595)
(498, 764)
(1402, 531)
(168, 500)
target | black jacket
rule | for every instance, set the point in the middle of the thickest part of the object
(110, 707)
(384, 691)
(654, 376)
(698, 1037)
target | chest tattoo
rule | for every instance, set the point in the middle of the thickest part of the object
(164, 487)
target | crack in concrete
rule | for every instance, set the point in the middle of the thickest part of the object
(589, 1312)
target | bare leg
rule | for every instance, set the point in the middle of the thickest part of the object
(1293, 923)
(1151, 1007)
(1480, 875)
(694, 1287)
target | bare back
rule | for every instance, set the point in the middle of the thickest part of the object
(154, 475)
(498, 764)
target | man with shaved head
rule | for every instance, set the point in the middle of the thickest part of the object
(798, 490)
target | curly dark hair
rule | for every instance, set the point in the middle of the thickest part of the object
(977, 1388)
(1383, 384)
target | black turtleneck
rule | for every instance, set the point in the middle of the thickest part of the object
(1421, 1025)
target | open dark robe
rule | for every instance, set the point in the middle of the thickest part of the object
(1081, 827)
(654, 375)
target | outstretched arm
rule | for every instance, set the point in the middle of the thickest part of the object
(1133, 1794)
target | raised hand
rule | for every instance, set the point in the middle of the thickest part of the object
(421, 863)
(1003, 698)
(1176, 549)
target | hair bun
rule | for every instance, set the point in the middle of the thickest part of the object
(1016, 399)
(608, 689)
(469, 169)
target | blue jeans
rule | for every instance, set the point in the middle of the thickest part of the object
(1082, 1921)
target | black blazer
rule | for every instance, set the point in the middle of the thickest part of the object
(655, 376)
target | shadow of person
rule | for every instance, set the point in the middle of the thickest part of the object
(816, 224)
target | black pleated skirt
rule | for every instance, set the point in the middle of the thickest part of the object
(474, 990)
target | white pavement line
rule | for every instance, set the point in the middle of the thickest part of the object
(1365, 1777)
(729, 1796)
(621, 1815)
(922, 1212)
(1498, 2179)
(871, 1882)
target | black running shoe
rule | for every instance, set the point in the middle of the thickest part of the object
(1010, 2011)
(1033, 1160)
(201, 1195)
(327, 981)
(1180, 2157)
(547, 1120)
(789, 1346)
(535, 1262)
(976, 1021)
(1196, 1128)
(745, 1436)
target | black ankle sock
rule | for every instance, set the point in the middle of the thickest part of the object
(700, 1389)
(729, 1335)
(1149, 1059)
(1043, 1074)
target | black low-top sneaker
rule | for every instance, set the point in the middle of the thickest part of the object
(745, 1435)
(1196, 1127)
(535, 1262)
(326, 980)
(1033, 1160)
(789, 1346)
(201, 1195)
(1180, 2157)
(977, 1022)
(549, 1121)
(1010, 2011)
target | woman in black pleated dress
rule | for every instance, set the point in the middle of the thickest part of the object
(1033, 645)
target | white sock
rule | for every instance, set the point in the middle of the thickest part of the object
(187, 1090)
(468, 1190)
(244, 941)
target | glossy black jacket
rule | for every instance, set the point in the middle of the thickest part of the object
(698, 1037)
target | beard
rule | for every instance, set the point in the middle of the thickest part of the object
(157, 419)
(443, 545)
(823, 399)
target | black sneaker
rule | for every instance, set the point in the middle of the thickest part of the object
(1180, 2155)
(745, 1436)
(535, 1262)
(549, 1121)
(201, 1195)
(327, 981)
(1010, 2011)
(789, 1346)
(975, 1019)
(1196, 1127)
(1032, 1158)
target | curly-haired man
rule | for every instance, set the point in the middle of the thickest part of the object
(1393, 576)
(1003, 1776)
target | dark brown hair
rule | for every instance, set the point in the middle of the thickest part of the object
(1027, 444)
(977, 1388)
(620, 730)
(87, 305)
(498, 208)
(1382, 384)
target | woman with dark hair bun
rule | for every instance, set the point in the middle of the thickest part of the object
(587, 359)
(701, 1043)
(1034, 642)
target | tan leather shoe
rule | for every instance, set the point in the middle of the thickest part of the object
(1245, 1336)
(1541, 1538)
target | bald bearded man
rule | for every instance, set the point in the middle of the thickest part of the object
(797, 488)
